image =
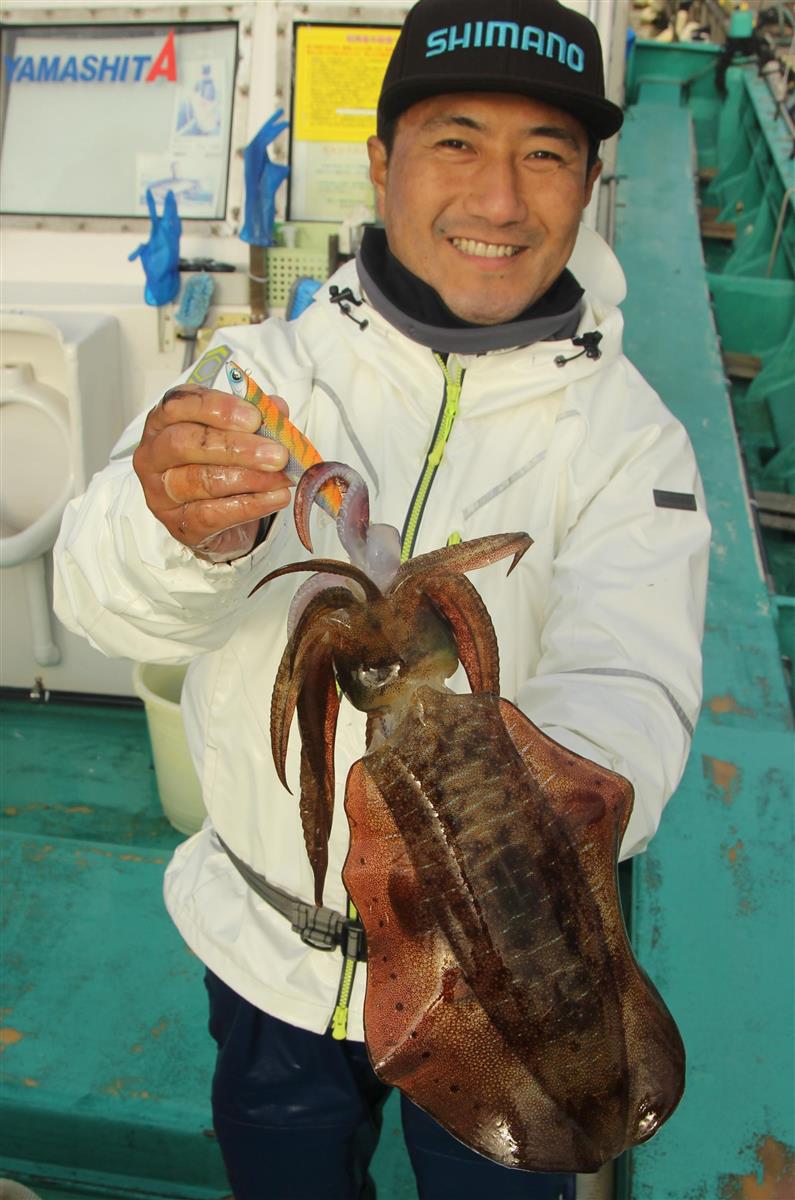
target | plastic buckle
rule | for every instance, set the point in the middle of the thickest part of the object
(320, 935)
(319, 939)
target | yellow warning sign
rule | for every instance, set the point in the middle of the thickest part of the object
(338, 73)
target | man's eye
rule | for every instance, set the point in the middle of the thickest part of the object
(453, 143)
(543, 160)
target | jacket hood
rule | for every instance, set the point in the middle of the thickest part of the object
(595, 265)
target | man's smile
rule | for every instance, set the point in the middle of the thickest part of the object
(485, 249)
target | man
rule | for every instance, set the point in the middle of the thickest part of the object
(459, 367)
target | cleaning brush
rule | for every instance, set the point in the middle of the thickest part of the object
(192, 312)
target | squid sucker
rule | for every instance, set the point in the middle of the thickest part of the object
(502, 995)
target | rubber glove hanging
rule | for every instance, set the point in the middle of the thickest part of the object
(160, 255)
(263, 178)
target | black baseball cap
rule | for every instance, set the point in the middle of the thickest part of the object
(537, 48)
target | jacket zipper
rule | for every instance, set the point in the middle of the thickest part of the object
(447, 414)
(453, 382)
(339, 1018)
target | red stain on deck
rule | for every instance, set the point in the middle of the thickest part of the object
(724, 776)
(777, 1181)
(36, 853)
(13, 810)
(742, 877)
(733, 851)
(728, 704)
(9, 1037)
(121, 1087)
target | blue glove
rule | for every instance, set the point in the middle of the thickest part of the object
(160, 255)
(263, 178)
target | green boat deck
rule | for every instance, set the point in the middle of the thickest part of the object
(106, 1059)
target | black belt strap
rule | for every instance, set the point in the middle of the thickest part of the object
(320, 927)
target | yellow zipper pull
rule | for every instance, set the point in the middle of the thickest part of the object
(450, 412)
(339, 1018)
(339, 1022)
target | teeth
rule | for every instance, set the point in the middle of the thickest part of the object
(484, 249)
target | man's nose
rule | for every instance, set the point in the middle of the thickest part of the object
(496, 194)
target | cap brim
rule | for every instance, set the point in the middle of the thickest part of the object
(600, 117)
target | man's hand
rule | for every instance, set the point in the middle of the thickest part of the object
(205, 473)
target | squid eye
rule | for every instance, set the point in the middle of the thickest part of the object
(377, 677)
(648, 1118)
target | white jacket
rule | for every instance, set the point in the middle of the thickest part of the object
(599, 627)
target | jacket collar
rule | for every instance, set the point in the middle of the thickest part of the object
(415, 309)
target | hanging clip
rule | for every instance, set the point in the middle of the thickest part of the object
(589, 342)
(345, 299)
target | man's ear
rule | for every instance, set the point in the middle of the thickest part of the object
(593, 175)
(376, 152)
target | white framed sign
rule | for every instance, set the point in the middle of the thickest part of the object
(113, 110)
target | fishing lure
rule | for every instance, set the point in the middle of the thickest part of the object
(279, 428)
(502, 996)
(341, 493)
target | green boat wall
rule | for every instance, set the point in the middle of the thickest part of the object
(705, 185)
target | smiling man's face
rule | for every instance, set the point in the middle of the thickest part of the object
(482, 196)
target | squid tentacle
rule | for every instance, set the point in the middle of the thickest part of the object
(314, 586)
(318, 708)
(353, 517)
(286, 689)
(457, 599)
(333, 566)
(353, 520)
(296, 662)
(382, 554)
(464, 556)
(328, 601)
(373, 548)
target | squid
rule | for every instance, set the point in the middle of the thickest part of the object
(503, 996)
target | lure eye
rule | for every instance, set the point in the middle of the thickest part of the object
(235, 374)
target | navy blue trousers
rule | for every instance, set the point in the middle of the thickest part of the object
(298, 1114)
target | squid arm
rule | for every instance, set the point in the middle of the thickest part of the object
(331, 565)
(464, 556)
(318, 707)
(459, 602)
(296, 665)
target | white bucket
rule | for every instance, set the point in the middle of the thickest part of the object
(179, 788)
